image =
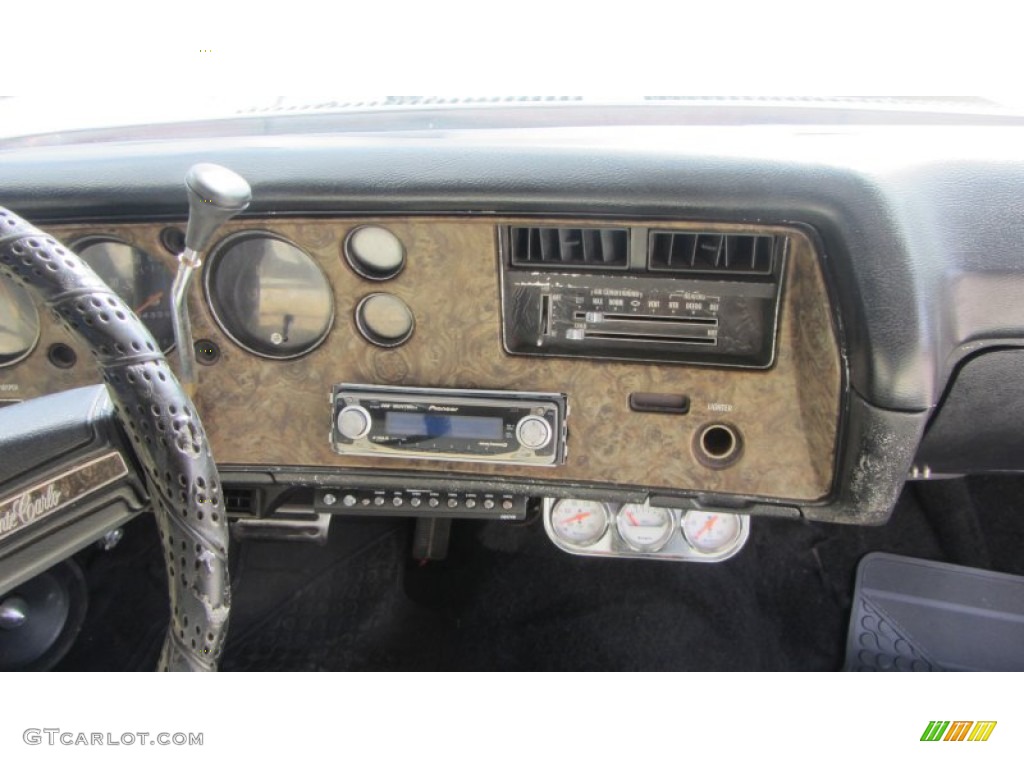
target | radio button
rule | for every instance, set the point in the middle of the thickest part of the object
(470, 503)
(378, 501)
(533, 432)
(453, 502)
(415, 501)
(354, 422)
(433, 501)
(488, 503)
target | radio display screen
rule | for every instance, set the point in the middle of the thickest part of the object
(402, 424)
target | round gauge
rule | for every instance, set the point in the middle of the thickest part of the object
(385, 320)
(374, 252)
(269, 296)
(19, 322)
(579, 523)
(142, 282)
(711, 532)
(644, 528)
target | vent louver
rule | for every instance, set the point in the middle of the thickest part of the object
(569, 247)
(240, 501)
(714, 253)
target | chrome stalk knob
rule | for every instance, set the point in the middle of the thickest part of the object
(215, 194)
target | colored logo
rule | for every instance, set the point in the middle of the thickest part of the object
(958, 730)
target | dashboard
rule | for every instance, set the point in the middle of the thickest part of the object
(873, 267)
(280, 337)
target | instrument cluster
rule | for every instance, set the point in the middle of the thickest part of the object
(268, 295)
(586, 527)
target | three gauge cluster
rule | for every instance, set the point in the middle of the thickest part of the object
(639, 530)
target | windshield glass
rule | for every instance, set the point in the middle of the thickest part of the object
(92, 118)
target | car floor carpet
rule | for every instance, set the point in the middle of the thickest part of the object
(507, 599)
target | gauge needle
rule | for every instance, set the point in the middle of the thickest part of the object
(706, 528)
(578, 518)
(632, 520)
(149, 302)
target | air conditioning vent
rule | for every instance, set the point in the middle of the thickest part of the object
(240, 501)
(569, 247)
(710, 252)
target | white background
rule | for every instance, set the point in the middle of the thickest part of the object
(515, 720)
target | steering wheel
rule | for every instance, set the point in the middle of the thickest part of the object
(164, 432)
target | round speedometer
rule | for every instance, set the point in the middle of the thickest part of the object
(19, 322)
(142, 282)
(269, 296)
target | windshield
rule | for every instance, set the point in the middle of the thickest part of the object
(30, 121)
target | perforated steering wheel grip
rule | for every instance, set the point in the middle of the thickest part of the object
(164, 429)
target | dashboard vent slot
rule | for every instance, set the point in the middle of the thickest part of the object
(711, 252)
(569, 247)
(240, 501)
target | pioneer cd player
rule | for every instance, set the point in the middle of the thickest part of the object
(449, 424)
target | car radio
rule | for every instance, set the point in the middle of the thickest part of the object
(449, 424)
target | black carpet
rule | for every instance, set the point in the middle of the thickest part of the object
(507, 599)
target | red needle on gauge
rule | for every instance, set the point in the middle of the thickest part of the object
(632, 520)
(706, 528)
(149, 302)
(577, 518)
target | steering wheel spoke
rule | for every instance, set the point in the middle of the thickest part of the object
(67, 478)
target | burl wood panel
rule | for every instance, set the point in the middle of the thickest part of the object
(276, 413)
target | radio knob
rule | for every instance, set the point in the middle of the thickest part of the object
(353, 422)
(533, 432)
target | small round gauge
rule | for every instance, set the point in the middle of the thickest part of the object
(711, 532)
(142, 282)
(645, 528)
(268, 295)
(579, 523)
(374, 252)
(19, 322)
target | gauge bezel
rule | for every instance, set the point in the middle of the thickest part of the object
(218, 252)
(353, 262)
(729, 545)
(88, 240)
(587, 542)
(656, 546)
(39, 330)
